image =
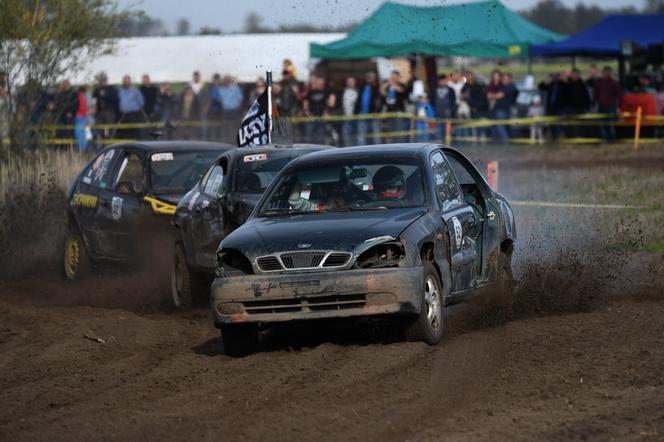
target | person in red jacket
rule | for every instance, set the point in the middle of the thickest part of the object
(81, 119)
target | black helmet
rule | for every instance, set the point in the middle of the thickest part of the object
(389, 177)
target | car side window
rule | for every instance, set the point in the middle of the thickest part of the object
(131, 170)
(447, 189)
(462, 174)
(213, 182)
(98, 173)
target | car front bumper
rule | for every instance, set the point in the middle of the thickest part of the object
(330, 294)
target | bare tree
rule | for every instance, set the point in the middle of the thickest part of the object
(253, 24)
(208, 30)
(183, 27)
(140, 25)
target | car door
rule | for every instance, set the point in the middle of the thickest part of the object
(86, 201)
(208, 215)
(460, 221)
(490, 214)
(120, 205)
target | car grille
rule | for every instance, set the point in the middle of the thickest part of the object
(317, 303)
(303, 260)
(268, 263)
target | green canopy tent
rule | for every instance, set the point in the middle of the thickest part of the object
(482, 29)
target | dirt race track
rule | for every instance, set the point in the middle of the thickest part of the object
(100, 360)
(592, 375)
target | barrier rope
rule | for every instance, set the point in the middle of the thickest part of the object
(625, 119)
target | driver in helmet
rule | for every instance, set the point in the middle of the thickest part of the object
(389, 183)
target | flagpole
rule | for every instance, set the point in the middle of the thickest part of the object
(268, 77)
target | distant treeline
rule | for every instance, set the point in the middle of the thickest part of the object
(551, 14)
(556, 16)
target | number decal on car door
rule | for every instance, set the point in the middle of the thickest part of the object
(458, 232)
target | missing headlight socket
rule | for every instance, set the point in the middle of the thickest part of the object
(387, 254)
(231, 262)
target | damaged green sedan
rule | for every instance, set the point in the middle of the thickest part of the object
(376, 230)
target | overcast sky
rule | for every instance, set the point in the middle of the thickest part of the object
(229, 15)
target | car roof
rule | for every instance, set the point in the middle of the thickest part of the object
(281, 148)
(176, 145)
(370, 151)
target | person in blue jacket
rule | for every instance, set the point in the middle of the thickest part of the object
(423, 112)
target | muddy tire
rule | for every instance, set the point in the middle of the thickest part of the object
(428, 326)
(187, 287)
(75, 261)
(240, 340)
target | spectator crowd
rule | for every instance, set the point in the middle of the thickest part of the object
(356, 111)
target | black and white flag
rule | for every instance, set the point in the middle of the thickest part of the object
(255, 127)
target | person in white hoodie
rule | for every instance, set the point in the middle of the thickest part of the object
(196, 83)
(348, 103)
(536, 112)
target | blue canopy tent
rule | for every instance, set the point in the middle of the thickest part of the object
(604, 39)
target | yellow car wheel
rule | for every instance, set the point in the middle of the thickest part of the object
(75, 259)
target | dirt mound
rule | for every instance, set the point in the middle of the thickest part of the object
(140, 292)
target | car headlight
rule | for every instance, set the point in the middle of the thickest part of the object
(231, 262)
(387, 254)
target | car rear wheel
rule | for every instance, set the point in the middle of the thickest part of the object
(187, 286)
(75, 262)
(428, 326)
(505, 288)
(240, 340)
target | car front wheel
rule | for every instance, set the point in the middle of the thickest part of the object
(428, 326)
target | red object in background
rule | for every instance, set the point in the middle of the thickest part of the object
(631, 102)
(82, 105)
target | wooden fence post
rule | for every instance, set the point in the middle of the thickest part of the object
(637, 127)
(448, 133)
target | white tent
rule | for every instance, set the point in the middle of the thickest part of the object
(173, 59)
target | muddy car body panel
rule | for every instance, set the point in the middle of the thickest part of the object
(225, 196)
(128, 192)
(368, 258)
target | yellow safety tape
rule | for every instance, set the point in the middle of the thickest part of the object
(392, 134)
(558, 140)
(383, 116)
(457, 123)
(573, 205)
(583, 120)
(160, 207)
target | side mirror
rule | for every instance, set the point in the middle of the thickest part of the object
(130, 188)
